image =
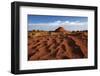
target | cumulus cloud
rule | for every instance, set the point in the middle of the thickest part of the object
(56, 23)
(68, 25)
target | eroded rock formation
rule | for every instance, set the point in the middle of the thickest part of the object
(60, 44)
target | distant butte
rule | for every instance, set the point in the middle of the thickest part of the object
(60, 29)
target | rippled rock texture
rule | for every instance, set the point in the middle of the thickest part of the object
(58, 44)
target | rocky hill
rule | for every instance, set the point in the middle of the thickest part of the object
(60, 29)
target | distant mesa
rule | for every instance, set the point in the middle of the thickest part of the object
(61, 29)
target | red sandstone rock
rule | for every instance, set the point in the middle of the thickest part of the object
(59, 45)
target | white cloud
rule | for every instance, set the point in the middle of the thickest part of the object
(68, 25)
(56, 23)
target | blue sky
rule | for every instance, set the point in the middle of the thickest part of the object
(50, 23)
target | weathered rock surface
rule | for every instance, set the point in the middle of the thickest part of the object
(60, 45)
